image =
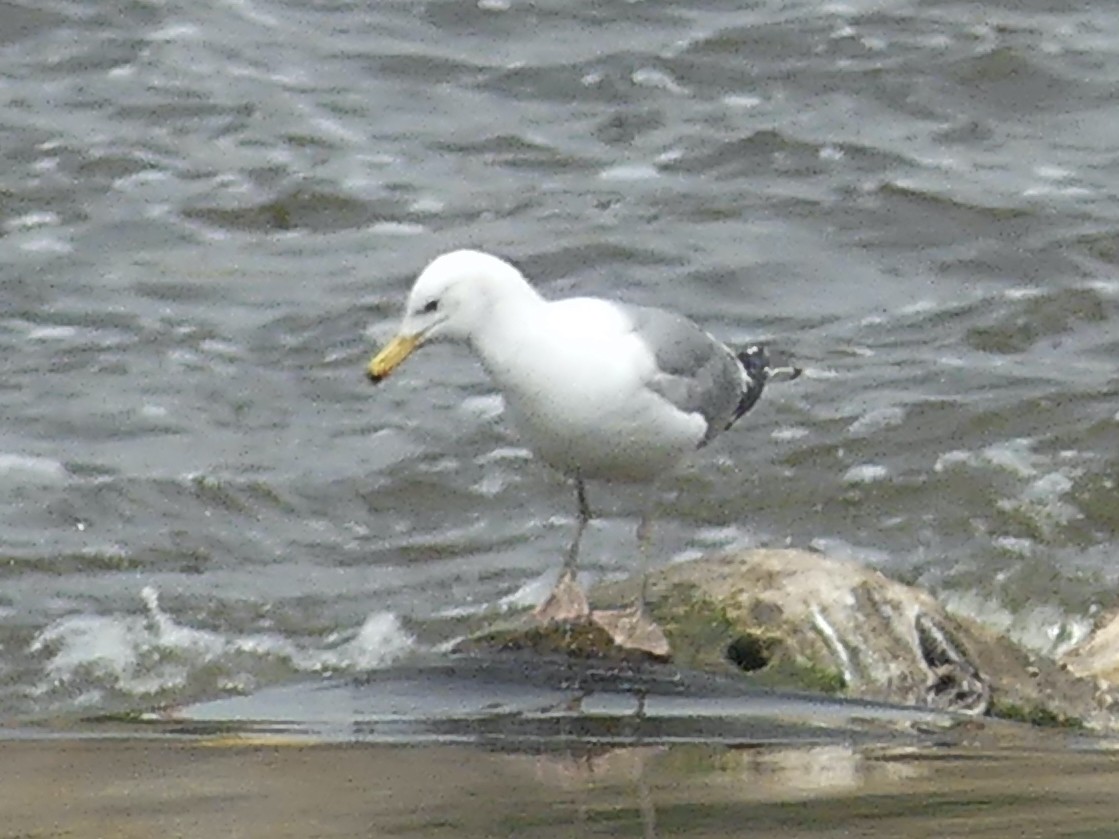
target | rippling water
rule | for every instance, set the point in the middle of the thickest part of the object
(210, 212)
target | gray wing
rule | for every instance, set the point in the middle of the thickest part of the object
(695, 372)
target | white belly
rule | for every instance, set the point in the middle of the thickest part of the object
(617, 442)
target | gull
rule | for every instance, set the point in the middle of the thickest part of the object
(598, 389)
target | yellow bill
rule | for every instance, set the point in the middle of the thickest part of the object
(391, 355)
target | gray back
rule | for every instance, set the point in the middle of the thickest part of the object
(697, 374)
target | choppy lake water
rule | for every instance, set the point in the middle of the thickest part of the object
(210, 213)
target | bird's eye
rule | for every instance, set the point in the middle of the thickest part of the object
(430, 307)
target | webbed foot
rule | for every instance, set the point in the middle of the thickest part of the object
(566, 604)
(634, 629)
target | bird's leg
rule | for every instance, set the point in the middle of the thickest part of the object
(584, 514)
(568, 601)
(634, 628)
(645, 546)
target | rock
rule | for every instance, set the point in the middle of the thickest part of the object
(579, 640)
(1097, 658)
(799, 620)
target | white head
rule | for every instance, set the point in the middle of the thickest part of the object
(452, 300)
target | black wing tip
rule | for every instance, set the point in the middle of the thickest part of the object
(759, 371)
(754, 357)
(756, 360)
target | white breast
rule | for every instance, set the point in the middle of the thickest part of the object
(573, 376)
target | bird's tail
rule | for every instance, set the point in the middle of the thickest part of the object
(759, 371)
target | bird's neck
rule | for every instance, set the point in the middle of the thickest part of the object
(511, 330)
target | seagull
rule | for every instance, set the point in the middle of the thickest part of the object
(598, 389)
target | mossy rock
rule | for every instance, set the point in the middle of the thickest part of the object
(1036, 715)
(797, 620)
(583, 640)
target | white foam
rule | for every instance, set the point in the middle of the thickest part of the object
(29, 221)
(948, 460)
(397, 228)
(427, 205)
(1060, 192)
(129, 652)
(742, 100)
(176, 32)
(652, 77)
(440, 465)
(861, 352)
(728, 536)
(251, 13)
(865, 473)
(151, 653)
(1108, 288)
(489, 406)
(878, 419)
(1042, 502)
(1014, 456)
(52, 333)
(1046, 629)
(919, 307)
(971, 604)
(504, 454)
(492, 484)
(1049, 629)
(380, 640)
(670, 156)
(688, 555)
(793, 432)
(1048, 487)
(935, 41)
(215, 346)
(27, 467)
(46, 244)
(141, 179)
(630, 172)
